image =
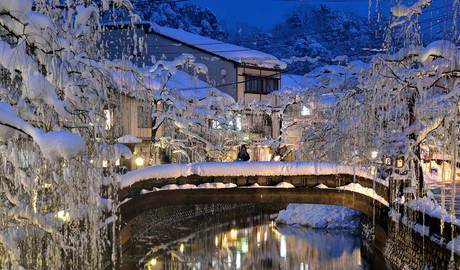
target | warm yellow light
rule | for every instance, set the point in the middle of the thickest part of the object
(182, 248)
(105, 163)
(374, 154)
(63, 215)
(153, 262)
(117, 162)
(216, 241)
(224, 241)
(387, 161)
(139, 161)
(258, 237)
(233, 234)
(399, 163)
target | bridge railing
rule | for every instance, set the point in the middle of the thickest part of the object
(299, 174)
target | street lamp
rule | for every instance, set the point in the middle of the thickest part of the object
(139, 161)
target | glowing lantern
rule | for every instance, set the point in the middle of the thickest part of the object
(139, 161)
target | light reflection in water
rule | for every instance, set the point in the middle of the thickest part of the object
(281, 248)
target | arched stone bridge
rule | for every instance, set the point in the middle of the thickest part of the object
(165, 183)
(297, 182)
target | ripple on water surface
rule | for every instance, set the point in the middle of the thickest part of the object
(263, 246)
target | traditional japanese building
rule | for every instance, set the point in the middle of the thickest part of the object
(247, 75)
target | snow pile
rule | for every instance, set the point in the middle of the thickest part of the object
(54, 144)
(320, 216)
(59, 144)
(216, 185)
(438, 48)
(408, 11)
(432, 208)
(129, 139)
(285, 185)
(279, 185)
(321, 186)
(146, 191)
(234, 169)
(355, 187)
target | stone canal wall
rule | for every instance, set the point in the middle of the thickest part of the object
(406, 248)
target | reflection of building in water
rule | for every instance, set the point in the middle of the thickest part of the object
(265, 247)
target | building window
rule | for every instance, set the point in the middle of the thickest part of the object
(271, 84)
(215, 124)
(253, 84)
(305, 111)
(144, 118)
(108, 119)
(261, 85)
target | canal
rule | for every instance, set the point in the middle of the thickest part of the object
(251, 242)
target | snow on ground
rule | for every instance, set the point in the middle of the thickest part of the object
(240, 169)
(320, 216)
(355, 187)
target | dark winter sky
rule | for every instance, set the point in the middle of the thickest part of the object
(266, 13)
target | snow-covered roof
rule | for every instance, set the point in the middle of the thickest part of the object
(296, 82)
(221, 49)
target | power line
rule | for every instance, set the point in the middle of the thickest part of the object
(232, 83)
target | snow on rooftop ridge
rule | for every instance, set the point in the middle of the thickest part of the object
(240, 169)
(225, 50)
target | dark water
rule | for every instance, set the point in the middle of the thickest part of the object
(265, 246)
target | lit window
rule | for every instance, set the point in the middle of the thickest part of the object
(238, 123)
(400, 162)
(374, 154)
(108, 119)
(388, 161)
(215, 124)
(305, 111)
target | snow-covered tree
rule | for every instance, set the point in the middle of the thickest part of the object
(54, 88)
(192, 125)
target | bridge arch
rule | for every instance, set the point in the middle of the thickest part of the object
(139, 189)
(360, 202)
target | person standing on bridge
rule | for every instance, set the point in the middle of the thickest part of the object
(243, 154)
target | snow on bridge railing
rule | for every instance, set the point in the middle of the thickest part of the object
(234, 169)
